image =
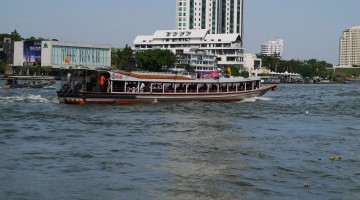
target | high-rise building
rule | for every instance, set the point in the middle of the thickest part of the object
(218, 16)
(349, 47)
(273, 47)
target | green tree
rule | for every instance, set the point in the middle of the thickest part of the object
(270, 62)
(15, 36)
(155, 60)
(122, 58)
(2, 67)
(127, 57)
(244, 74)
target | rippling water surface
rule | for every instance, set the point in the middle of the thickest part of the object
(262, 148)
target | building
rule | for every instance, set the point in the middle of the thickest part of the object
(200, 61)
(273, 47)
(226, 47)
(252, 62)
(218, 16)
(59, 54)
(7, 51)
(349, 47)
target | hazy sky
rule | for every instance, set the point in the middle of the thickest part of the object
(310, 28)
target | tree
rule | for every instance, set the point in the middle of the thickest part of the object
(127, 57)
(15, 36)
(234, 70)
(270, 62)
(122, 58)
(155, 60)
(244, 74)
(2, 67)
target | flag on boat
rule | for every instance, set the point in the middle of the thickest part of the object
(229, 70)
(67, 60)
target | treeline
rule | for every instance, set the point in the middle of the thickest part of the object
(15, 36)
(310, 69)
(150, 60)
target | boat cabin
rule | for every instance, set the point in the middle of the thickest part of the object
(140, 82)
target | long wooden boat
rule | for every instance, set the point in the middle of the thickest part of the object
(354, 81)
(136, 87)
(38, 84)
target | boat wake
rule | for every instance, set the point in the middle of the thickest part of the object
(254, 99)
(29, 98)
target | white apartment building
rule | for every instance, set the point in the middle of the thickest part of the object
(273, 47)
(200, 61)
(218, 16)
(252, 62)
(349, 47)
(226, 47)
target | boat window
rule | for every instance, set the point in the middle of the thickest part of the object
(118, 86)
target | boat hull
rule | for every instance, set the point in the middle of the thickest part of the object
(134, 98)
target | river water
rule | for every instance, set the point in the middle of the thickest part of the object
(263, 148)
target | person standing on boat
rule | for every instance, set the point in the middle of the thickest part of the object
(69, 79)
(102, 83)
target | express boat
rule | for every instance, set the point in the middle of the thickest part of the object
(143, 87)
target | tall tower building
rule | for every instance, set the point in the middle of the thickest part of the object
(273, 47)
(218, 16)
(349, 47)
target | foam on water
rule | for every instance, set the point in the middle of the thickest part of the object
(27, 98)
(253, 99)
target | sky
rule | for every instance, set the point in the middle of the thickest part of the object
(310, 28)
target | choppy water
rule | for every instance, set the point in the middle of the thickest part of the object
(263, 148)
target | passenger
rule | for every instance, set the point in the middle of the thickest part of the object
(92, 83)
(108, 85)
(142, 86)
(102, 83)
(9, 82)
(83, 83)
(68, 79)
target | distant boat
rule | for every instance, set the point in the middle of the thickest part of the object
(13, 83)
(136, 87)
(352, 81)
